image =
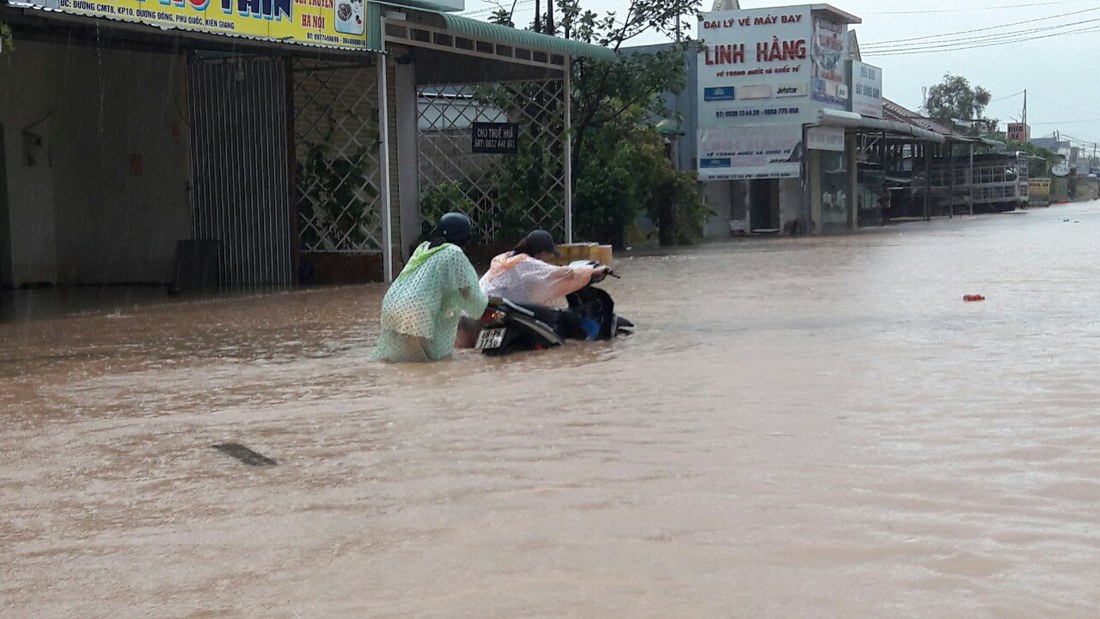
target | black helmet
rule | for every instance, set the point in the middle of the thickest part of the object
(454, 228)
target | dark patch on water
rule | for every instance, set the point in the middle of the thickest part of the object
(244, 454)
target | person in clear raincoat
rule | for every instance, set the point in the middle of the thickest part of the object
(523, 275)
(422, 308)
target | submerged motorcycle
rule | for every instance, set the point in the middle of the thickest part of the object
(512, 327)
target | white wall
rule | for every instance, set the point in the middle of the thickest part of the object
(84, 213)
(717, 195)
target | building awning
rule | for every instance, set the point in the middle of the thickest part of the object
(435, 42)
(525, 38)
(835, 118)
(458, 26)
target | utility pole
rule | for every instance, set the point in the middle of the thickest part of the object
(726, 5)
(1027, 132)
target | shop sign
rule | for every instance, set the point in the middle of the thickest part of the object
(719, 94)
(494, 138)
(1019, 132)
(755, 53)
(825, 138)
(866, 89)
(756, 91)
(783, 65)
(1039, 187)
(749, 152)
(790, 90)
(327, 23)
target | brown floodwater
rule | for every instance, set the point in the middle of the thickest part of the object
(799, 428)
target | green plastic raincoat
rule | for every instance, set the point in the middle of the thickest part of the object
(421, 310)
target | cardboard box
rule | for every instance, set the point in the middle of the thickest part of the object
(583, 251)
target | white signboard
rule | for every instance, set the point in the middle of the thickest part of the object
(866, 89)
(767, 151)
(747, 58)
(825, 138)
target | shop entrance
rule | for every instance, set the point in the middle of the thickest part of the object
(764, 204)
(5, 227)
(239, 167)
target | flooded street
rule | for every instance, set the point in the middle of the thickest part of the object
(812, 427)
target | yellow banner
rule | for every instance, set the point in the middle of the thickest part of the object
(330, 23)
(1038, 187)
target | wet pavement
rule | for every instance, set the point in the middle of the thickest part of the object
(812, 427)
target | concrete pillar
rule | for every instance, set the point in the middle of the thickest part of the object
(408, 155)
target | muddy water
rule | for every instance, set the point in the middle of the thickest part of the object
(800, 428)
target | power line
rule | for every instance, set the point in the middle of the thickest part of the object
(1079, 140)
(961, 47)
(1067, 122)
(991, 39)
(985, 38)
(973, 10)
(1007, 96)
(894, 42)
(498, 7)
(1048, 101)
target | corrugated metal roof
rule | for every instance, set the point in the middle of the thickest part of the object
(525, 38)
(893, 111)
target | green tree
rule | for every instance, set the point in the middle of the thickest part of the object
(955, 99)
(611, 104)
(1041, 159)
(7, 42)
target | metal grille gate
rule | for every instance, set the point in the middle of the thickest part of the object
(507, 195)
(336, 144)
(239, 167)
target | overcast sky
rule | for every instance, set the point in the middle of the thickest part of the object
(1051, 48)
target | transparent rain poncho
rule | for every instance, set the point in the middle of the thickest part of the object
(421, 310)
(519, 277)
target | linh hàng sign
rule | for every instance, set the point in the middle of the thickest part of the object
(762, 75)
(494, 138)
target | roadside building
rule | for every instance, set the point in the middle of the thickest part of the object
(247, 143)
(790, 132)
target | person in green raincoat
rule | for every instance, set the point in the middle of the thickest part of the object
(422, 308)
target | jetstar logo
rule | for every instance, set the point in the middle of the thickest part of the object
(790, 90)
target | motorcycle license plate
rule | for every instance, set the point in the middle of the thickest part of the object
(489, 338)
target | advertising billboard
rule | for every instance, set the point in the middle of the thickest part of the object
(326, 23)
(774, 68)
(754, 68)
(828, 50)
(1019, 132)
(866, 89)
(744, 153)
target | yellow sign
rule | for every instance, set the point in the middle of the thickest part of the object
(1038, 187)
(329, 23)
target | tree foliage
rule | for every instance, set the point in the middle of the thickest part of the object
(618, 159)
(1041, 158)
(954, 98)
(7, 41)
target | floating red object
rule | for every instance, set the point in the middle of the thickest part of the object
(973, 297)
